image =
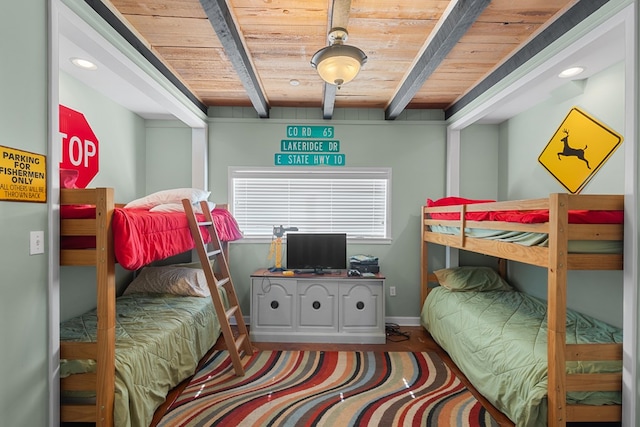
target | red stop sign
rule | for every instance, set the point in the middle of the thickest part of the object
(79, 147)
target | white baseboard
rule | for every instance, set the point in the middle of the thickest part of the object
(398, 320)
(403, 321)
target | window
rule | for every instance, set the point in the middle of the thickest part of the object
(329, 200)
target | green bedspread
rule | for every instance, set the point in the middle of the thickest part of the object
(160, 340)
(499, 341)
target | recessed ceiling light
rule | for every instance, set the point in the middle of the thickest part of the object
(294, 82)
(84, 64)
(571, 72)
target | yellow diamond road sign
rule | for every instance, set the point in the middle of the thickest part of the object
(578, 149)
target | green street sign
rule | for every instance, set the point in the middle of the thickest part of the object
(310, 132)
(288, 159)
(309, 146)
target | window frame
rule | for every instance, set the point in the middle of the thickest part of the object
(323, 172)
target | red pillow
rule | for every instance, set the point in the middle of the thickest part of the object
(453, 201)
(68, 178)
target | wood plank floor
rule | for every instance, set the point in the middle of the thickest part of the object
(415, 339)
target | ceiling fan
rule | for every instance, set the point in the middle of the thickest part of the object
(338, 63)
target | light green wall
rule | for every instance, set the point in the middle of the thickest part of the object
(168, 155)
(23, 286)
(415, 150)
(121, 135)
(527, 135)
(479, 162)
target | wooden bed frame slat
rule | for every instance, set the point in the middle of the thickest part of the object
(605, 202)
(78, 257)
(78, 413)
(596, 232)
(594, 262)
(79, 382)
(78, 350)
(78, 227)
(78, 196)
(594, 382)
(530, 255)
(586, 413)
(557, 260)
(493, 225)
(593, 352)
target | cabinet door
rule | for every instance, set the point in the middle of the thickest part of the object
(361, 306)
(273, 302)
(317, 306)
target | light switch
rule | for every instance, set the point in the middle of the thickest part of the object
(36, 242)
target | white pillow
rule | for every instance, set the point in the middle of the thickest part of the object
(169, 196)
(170, 280)
(177, 207)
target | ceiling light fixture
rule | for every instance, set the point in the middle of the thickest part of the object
(338, 63)
(571, 72)
(84, 64)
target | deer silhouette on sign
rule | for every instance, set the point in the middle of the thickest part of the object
(568, 151)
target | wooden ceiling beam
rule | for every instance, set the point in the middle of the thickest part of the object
(457, 22)
(131, 37)
(223, 24)
(576, 14)
(339, 13)
(328, 101)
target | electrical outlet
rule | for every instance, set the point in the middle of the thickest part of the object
(392, 291)
(36, 242)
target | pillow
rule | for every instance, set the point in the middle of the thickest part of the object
(169, 196)
(68, 178)
(177, 207)
(196, 264)
(170, 279)
(453, 200)
(477, 279)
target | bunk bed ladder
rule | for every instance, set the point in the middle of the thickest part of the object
(221, 278)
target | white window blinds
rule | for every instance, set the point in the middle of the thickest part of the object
(352, 201)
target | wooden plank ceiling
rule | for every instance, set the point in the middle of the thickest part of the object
(421, 54)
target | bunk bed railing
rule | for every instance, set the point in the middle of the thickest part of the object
(103, 352)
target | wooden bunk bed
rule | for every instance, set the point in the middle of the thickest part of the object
(89, 241)
(442, 223)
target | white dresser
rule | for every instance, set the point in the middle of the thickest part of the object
(331, 308)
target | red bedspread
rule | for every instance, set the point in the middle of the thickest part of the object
(524, 217)
(140, 236)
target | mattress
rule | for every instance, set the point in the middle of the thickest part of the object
(527, 238)
(160, 340)
(535, 216)
(498, 339)
(141, 236)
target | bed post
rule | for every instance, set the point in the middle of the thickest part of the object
(424, 265)
(502, 268)
(556, 308)
(106, 309)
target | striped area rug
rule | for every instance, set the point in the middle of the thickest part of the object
(331, 388)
